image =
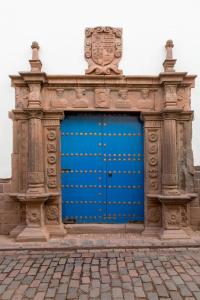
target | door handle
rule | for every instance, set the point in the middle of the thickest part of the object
(109, 173)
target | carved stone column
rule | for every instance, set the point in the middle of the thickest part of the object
(35, 196)
(169, 157)
(35, 150)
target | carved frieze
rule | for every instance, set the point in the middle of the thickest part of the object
(145, 101)
(152, 159)
(33, 215)
(184, 215)
(52, 214)
(154, 215)
(34, 95)
(51, 148)
(170, 95)
(103, 50)
(183, 98)
(21, 97)
(172, 217)
(123, 101)
(80, 101)
(102, 98)
(60, 101)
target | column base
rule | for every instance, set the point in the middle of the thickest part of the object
(56, 231)
(168, 234)
(33, 234)
(16, 231)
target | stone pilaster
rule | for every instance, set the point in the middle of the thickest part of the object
(152, 149)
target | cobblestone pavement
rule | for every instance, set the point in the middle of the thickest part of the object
(101, 274)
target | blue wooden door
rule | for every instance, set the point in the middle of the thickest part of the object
(102, 168)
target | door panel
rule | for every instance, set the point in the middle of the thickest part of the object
(102, 168)
(83, 179)
(123, 140)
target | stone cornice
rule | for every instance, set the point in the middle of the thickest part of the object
(135, 81)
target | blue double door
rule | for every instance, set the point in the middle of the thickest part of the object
(102, 168)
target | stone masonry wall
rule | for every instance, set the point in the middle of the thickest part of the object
(195, 205)
(9, 209)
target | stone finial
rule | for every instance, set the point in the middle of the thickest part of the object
(35, 62)
(169, 45)
(35, 50)
(169, 62)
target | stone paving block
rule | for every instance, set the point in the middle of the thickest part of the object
(152, 296)
(129, 296)
(62, 297)
(50, 293)
(62, 289)
(72, 293)
(177, 280)
(139, 292)
(2, 288)
(161, 290)
(106, 296)
(184, 291)
(83, 297)
(105, 287)
(176, 296)
(84, 288)
(117, 293)
(170, 285)
(7, 295)
(148, 286)
(94, 292)
(192, 286)
(197, 295)
(30, 293)
(127, 286)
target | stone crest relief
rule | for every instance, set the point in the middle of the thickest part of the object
(103, 50)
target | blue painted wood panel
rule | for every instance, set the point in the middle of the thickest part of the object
(102, 168)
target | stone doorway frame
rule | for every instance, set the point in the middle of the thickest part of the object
(164, 104)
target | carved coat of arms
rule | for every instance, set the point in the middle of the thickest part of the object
(103, 50)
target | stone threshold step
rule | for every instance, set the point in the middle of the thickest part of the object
(103, 228)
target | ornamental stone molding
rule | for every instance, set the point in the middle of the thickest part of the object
(163, 102)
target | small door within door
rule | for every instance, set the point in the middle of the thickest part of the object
(102, 168)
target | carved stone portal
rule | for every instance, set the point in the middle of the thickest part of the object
(163, 102)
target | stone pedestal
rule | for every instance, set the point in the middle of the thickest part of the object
(173, 218)
(34, 229)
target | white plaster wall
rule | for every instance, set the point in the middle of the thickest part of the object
(59, 26)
